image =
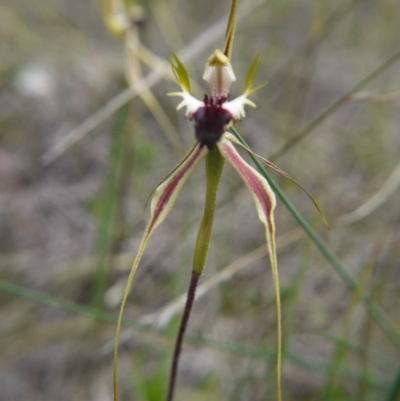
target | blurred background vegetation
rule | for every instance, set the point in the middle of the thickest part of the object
(70, 222)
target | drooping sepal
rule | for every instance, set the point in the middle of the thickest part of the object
(166, 193)
(262, 193)
(162, 202)
(265, 202)
(268, 163)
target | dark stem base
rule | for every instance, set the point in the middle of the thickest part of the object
(181, 333)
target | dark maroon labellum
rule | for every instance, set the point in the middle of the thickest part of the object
(210, 123)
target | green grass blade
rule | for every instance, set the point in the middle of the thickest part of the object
(222, 346)
(72, 307)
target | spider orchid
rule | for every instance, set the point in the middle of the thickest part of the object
(212, 117)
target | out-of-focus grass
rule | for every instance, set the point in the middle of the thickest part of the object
(109, 209)
(57, 66)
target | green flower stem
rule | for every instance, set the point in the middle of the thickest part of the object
(214, 166)
(375, 311)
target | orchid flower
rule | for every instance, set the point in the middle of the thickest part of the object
(212, 116)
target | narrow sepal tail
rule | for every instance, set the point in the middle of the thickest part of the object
(162, 202)
(265, 202)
